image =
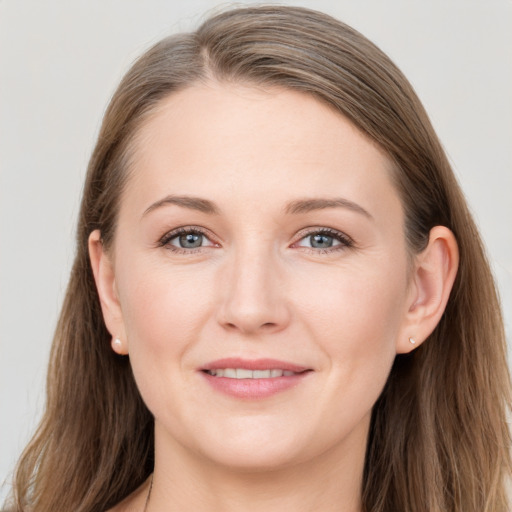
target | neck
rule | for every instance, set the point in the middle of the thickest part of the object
(329, 482)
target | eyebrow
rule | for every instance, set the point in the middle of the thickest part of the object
(309, 205)
(192, 203)
(299, 206)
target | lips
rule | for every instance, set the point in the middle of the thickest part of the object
(243, 373)
(253, 379)
(254, 364)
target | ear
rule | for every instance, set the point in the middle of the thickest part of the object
(103, 270)
(432, 278)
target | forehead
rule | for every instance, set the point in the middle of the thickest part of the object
(225, 141)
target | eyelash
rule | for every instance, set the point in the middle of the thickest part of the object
(345, 241)
(165, 241)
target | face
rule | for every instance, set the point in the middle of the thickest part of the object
(260, 274)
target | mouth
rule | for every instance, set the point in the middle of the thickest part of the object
(253, 379)
(243, 373)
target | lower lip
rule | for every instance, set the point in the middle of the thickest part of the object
(254, 388)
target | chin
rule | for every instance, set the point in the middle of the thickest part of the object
(257, 450)
(255, 459)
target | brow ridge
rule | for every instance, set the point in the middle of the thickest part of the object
(190, 202)
(299, 206)
(308, 205)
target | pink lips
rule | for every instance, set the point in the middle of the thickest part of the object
(253, 388)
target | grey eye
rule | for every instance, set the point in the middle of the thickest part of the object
(188, 240)
(321, 241)
(325, 239)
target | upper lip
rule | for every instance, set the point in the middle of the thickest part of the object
(254, 364)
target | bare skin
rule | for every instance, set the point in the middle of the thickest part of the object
(262, 225)
(136, 501)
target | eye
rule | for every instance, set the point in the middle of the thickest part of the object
(188, 240)
(325, 240)
(185, 240)
(321, 241)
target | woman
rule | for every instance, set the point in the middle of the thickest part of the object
(279, 299)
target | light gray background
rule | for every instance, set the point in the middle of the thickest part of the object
(59, 63)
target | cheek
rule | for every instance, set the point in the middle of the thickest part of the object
(355, 324)
(356, 320)
(364, 302)
(163, 310)
(163, 307)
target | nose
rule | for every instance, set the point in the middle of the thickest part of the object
(253, 298)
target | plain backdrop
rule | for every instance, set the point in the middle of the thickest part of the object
(60, 61)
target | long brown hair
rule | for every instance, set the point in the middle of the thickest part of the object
(438, 439)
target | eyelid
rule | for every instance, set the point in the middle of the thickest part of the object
(346, 242)
(165, 240)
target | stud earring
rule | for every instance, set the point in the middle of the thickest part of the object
(412, 341)
(117, 345)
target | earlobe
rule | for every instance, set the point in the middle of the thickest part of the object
(104, 278)
(433, 276)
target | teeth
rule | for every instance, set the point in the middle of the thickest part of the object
(262, 374)
(242, 373)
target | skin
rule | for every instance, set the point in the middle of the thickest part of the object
(258, 288)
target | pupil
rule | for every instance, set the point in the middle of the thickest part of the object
(191, 240)
(321, 241)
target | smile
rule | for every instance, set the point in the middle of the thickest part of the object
(243, 373)
(258, 379)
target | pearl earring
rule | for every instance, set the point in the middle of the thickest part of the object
(412, 341)
(117, 345)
